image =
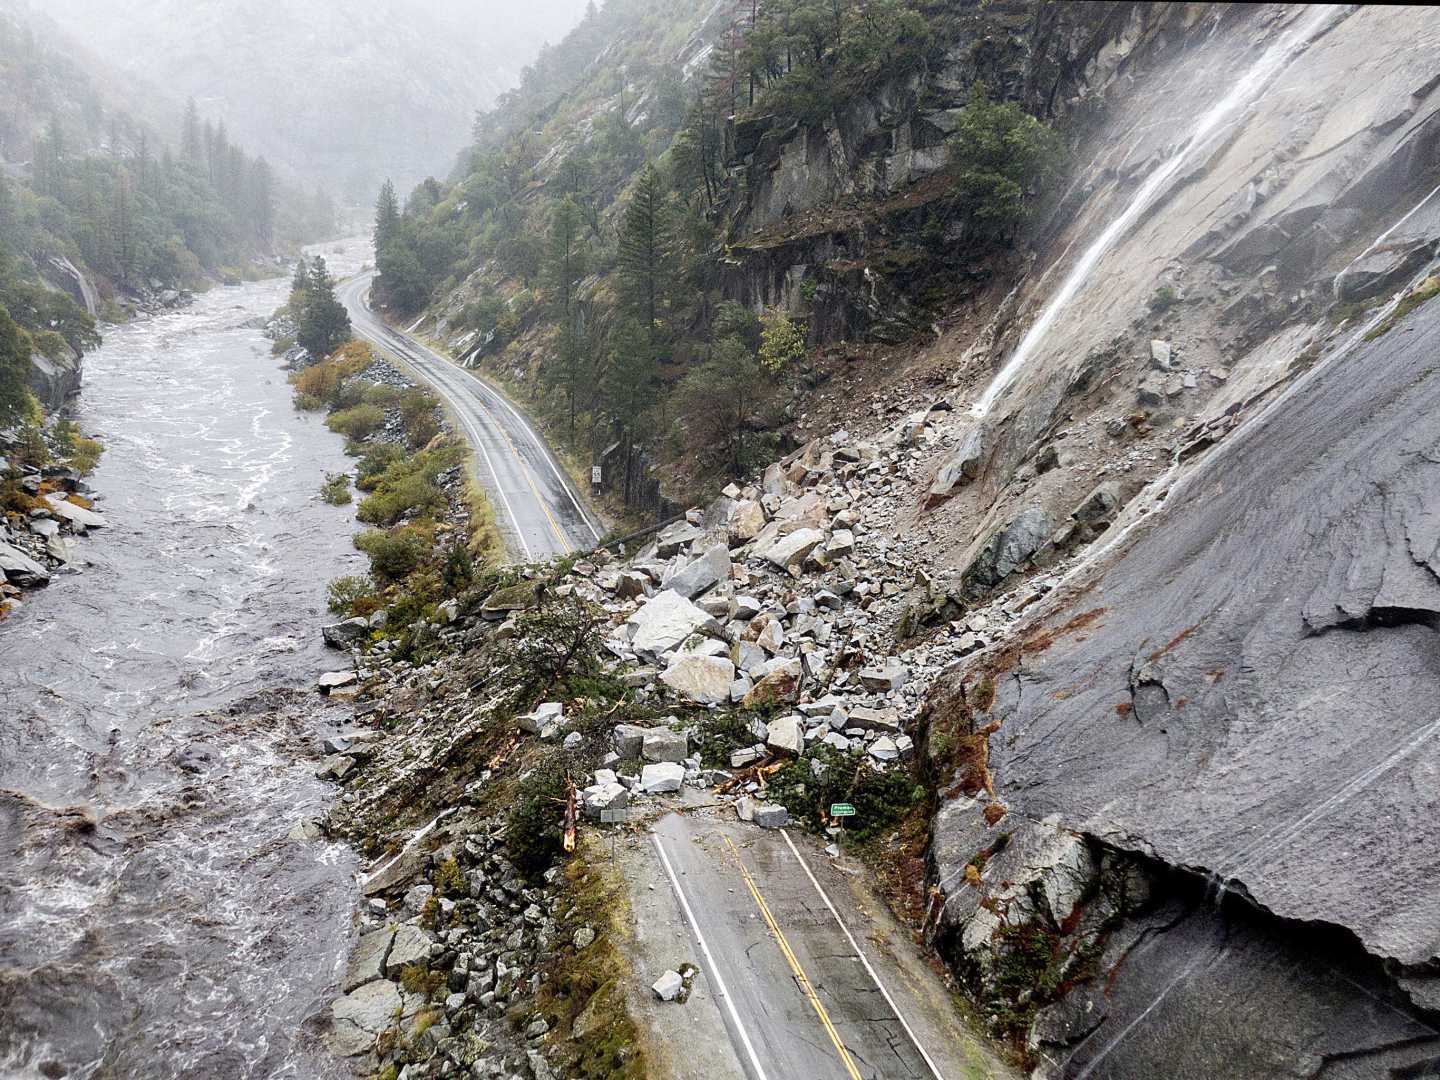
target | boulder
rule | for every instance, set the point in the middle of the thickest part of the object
(874, 719)
(334, 680)
(771, 816)
(662, 744)
(611, 795)
(664, 621)
(410, 946)
(629, 738)
(701, 574)
(363, 1014)
(888, 674)
(76, 515)
(962, 466)
(1160, 355)
(668, 986)
(661, 777)
(1099, 507)
(512, 598)
(1006, 550)
(18, 567)
(790, 551)
(546, 721)
(367, 959)
(342, 635)
(746, 521)
(785, 734)
(703, 679)
(781, 684)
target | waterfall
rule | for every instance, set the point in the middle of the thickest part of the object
(87, 291)
(1244, 91)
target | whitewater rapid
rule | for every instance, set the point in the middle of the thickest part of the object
(155, 920)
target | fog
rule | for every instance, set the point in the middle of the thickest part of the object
(342, 92)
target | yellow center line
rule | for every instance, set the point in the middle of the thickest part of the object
(795, 968)
(529, 479)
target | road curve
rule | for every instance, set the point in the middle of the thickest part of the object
(536, 508)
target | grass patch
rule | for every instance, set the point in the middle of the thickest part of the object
(357, 422)
(583, 992)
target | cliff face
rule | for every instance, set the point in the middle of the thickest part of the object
(1197, 807)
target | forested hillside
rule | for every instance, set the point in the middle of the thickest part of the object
(95, 207)
(680, 202)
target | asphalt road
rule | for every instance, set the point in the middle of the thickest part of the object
(537, 510)
(777, 933)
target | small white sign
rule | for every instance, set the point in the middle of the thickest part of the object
(596, 474)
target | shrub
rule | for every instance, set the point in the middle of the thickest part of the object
(357, 422)
(336, 489)
(409, 495)
(376, 460)
(382, 395)
(349, 595)
(393, 555)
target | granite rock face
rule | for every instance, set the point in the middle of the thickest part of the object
(1244, 690)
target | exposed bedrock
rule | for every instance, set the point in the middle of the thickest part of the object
(1246, 687)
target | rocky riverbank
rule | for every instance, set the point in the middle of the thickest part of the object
(44, 510)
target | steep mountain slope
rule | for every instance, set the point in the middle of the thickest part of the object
(389, 88)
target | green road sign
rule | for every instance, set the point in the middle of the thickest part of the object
(842, 809)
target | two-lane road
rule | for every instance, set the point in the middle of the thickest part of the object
(536, 507)
(778, 937)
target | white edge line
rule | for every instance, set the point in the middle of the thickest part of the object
(875, 978)
(713, 970)
(479, 445)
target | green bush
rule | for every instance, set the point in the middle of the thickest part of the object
(393, 555)
(382, 395)
(357, 422)
(336, 489)
(411, 495)
(880, 798)
(1002, 159)
(376, 460)
(349, 595)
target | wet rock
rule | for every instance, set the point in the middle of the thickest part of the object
(367, 960)
(18, 567)
(343, 635)
(335, 680)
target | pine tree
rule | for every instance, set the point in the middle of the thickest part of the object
(322, 324)
(387, 217)
(190, 145)
(645, 251)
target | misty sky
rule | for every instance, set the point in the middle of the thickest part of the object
(343, 92)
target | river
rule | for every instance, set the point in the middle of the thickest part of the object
(155, 921)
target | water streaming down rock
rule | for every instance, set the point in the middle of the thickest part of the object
(1243, 92)
(154, 918)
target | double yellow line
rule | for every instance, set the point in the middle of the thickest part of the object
(800, 977)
